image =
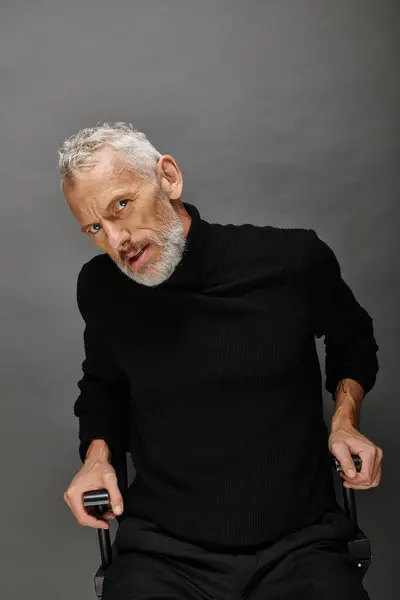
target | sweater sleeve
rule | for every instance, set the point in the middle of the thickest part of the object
(103, 403)
(350, 345)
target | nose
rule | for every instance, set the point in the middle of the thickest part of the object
(116, 237)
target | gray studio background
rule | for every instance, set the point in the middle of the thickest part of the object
(282, 113)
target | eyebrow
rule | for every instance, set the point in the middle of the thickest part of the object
(116, 197)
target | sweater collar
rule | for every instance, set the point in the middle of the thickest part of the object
(197, 258)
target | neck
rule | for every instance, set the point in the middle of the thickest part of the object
(198, 257)
(183, 215)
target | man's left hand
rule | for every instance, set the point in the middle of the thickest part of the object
(347, 441)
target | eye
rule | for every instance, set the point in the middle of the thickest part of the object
(119, 205)
(94, 226)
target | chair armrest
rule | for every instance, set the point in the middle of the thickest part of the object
(101, 500)
(348, 493)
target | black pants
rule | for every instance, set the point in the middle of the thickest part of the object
(310, 564)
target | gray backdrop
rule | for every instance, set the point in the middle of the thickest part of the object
(283, 113)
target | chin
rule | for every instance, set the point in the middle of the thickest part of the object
(149, 277)
(159, 268)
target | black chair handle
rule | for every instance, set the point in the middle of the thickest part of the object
(356, 459)
(101, 500)
(348, 493)
(97, 498)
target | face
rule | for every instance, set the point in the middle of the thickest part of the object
(141, 226)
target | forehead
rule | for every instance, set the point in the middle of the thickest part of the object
(100, 183)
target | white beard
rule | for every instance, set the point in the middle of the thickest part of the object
(172, 243)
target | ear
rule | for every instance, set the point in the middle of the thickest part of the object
(170, 177)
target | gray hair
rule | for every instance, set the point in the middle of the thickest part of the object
(77, 152)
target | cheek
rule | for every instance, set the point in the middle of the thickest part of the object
(101, 243)
(156, 246)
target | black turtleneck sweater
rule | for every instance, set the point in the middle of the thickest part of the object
(212, 380)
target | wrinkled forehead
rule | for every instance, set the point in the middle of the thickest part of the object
(108, 176)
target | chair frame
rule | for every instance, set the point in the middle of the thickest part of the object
(359, 545)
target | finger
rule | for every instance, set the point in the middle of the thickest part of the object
(108, 516)
(377, 478)
(342, 452)
(364, 486)
(378, 463)
(367, 473)
(105, 516)
(111, 484)
(354, 486)
(82, 516)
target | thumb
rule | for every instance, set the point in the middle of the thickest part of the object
(117, 504)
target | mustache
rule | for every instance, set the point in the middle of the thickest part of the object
(134, 248)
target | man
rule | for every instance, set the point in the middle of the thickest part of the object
(201, 361)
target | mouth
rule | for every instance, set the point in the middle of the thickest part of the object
(136, 259)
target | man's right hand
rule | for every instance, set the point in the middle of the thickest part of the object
(96, 474)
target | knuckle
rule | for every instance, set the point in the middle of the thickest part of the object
(71, 491)
(337, 443)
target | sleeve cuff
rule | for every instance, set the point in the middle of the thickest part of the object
(366, 382)
(112, 445)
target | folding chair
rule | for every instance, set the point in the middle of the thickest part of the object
(359, 545)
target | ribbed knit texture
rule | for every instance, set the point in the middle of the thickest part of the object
(212, 380)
